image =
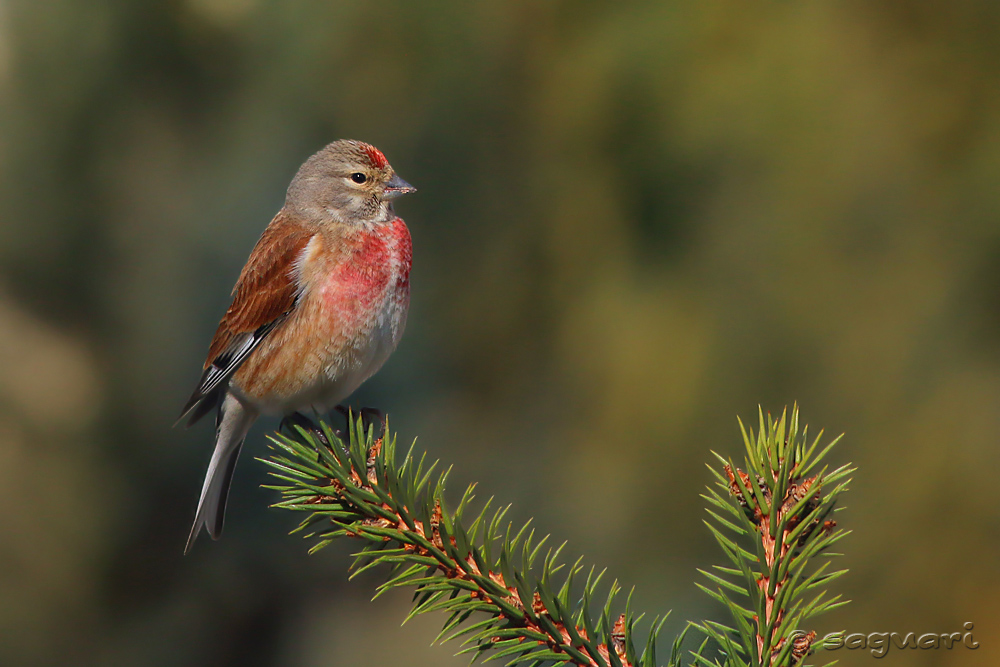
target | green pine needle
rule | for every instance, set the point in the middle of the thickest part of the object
(507, 595)
(534, 615)
(778, 509)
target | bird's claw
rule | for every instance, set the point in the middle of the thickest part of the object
(368, 417)
(289, 422)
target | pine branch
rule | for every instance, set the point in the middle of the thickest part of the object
(498, 586)
(778, 547)
(481, 576)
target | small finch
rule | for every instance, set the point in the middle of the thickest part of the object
(316, 311)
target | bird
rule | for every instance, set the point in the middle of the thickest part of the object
(318, 308)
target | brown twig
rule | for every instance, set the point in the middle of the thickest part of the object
(775, 549)
(536, 618)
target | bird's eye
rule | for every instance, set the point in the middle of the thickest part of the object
(358, 177)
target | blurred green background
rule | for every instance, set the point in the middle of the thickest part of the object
(636, 221)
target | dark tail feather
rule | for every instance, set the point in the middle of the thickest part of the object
(199, 406)
(233, 426)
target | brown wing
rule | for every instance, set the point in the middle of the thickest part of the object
(263, 296)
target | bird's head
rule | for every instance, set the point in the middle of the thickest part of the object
(347, 181)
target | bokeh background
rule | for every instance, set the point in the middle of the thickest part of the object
(636, 221)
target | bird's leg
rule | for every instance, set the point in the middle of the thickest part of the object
(345, 413)
(372, 416)
(289, 422)
(368, 416)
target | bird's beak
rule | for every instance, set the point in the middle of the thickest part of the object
(397, 187)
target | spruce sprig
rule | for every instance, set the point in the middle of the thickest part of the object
(773, 524)
(484, 576)
(509, 596)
